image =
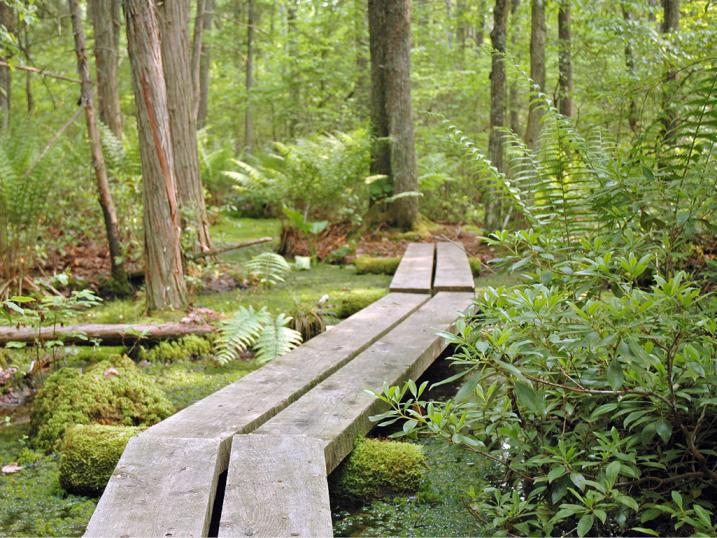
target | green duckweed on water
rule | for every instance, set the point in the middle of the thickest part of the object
(438, 509)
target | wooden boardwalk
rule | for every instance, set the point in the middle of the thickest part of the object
(252, 459)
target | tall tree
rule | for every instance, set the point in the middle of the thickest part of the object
(249, 76)
(537, 71)
(204, 64)
(391, 110)
(173, 18)
(106, 22)
(670, 25)
(197, 51)
(479, 33)
(292, 50)
(565, 61)
(109, 212)
(514, 104)
(496, 148)
(164, 275)
(7, 19)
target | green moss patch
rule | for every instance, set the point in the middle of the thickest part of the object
(377, 468)
(110, 392)
(89, 456)
(376, 266)
(346, 303)
(187, 347)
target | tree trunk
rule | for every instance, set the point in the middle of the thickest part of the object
(449, 23)
(106, 24)
(7, 19)
(30, 99)
(497, 107)
(173, 19)
(164, 276)
(632, 114)
(292, 50)
(109, 212)
(197, 51)
(565, 61)
(479, 34)
(361, 89)
(249, 79)
(670, 25)
(513, 93)
(391, 110)
(204, 64)
(537, 72)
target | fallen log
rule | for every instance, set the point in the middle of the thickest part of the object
(228, 248)
(106, 334)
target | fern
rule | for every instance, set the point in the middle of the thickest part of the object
(269, 267)
(112, 147)
(247, 328)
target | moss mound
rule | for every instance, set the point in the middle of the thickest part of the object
(378, 468)
(476, 265)
(346, 303)
(376, 266)
(185, 348)
(110, 392)
(89, 456)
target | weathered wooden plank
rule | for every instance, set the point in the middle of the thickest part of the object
(276, 486)
(415, 271)
(161, 487)
(337, 409)
(453, 271)
(249, 402)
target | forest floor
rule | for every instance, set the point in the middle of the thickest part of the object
(33, 502)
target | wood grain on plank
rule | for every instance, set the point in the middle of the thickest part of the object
(160, 487)
(244, 405)
(415, 271)
(276, 486)
(337, 409)
(453, 271)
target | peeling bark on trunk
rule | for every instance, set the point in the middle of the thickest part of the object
(497, 107)
(164, 275)
(109, 212)
(537, 72)
(173, 19)
(249, 77)
(106, 23)
(565, 61)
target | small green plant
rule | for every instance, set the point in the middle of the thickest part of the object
(248, 328)
(269, 268)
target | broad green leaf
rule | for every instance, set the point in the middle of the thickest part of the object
(585, 524)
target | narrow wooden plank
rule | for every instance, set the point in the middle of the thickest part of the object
(415, 271)
(249, 402)
(453, 271)
(337, 409)
(276, 486)
(161, 487)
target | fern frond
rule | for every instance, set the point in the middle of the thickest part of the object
(276, 339)
(240, 332)
(269, 267)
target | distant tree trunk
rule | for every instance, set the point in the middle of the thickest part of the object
(537, 71)
(173, 19)
(449, 23)
(30, 99)
(461, 28)
(106, 23)
(204, 65)
(670, 25)
(497, 107)
(109, 212)
(391, 110)
(292, 50)
(164, 275)
(513, 95)
(249, 81)
(7, 19)
(632, 115)
(197, 50)
(565, 61)
(361, 89)
(479, 34)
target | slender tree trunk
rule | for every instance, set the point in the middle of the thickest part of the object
(537, 72)
(173, 19)
(496, 148)
(479, 34)
(400, 112)
(670, 25)
(361, 88)
(513, 93)
(164, 275)
(106, 24)
(7, 19)
(249, 81)
(449, 22)
(197, 51)
(30, 99)
(461, 27)
(204, 65)
(565, 61)
(632, 114)
(109, 212)
(292, 50)
(380, 149)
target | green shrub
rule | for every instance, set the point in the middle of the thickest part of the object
(109, 392)
(185, 348)
(89, 456)
(347, 303)
(378, 468)
(476, 265)
(376, 266)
